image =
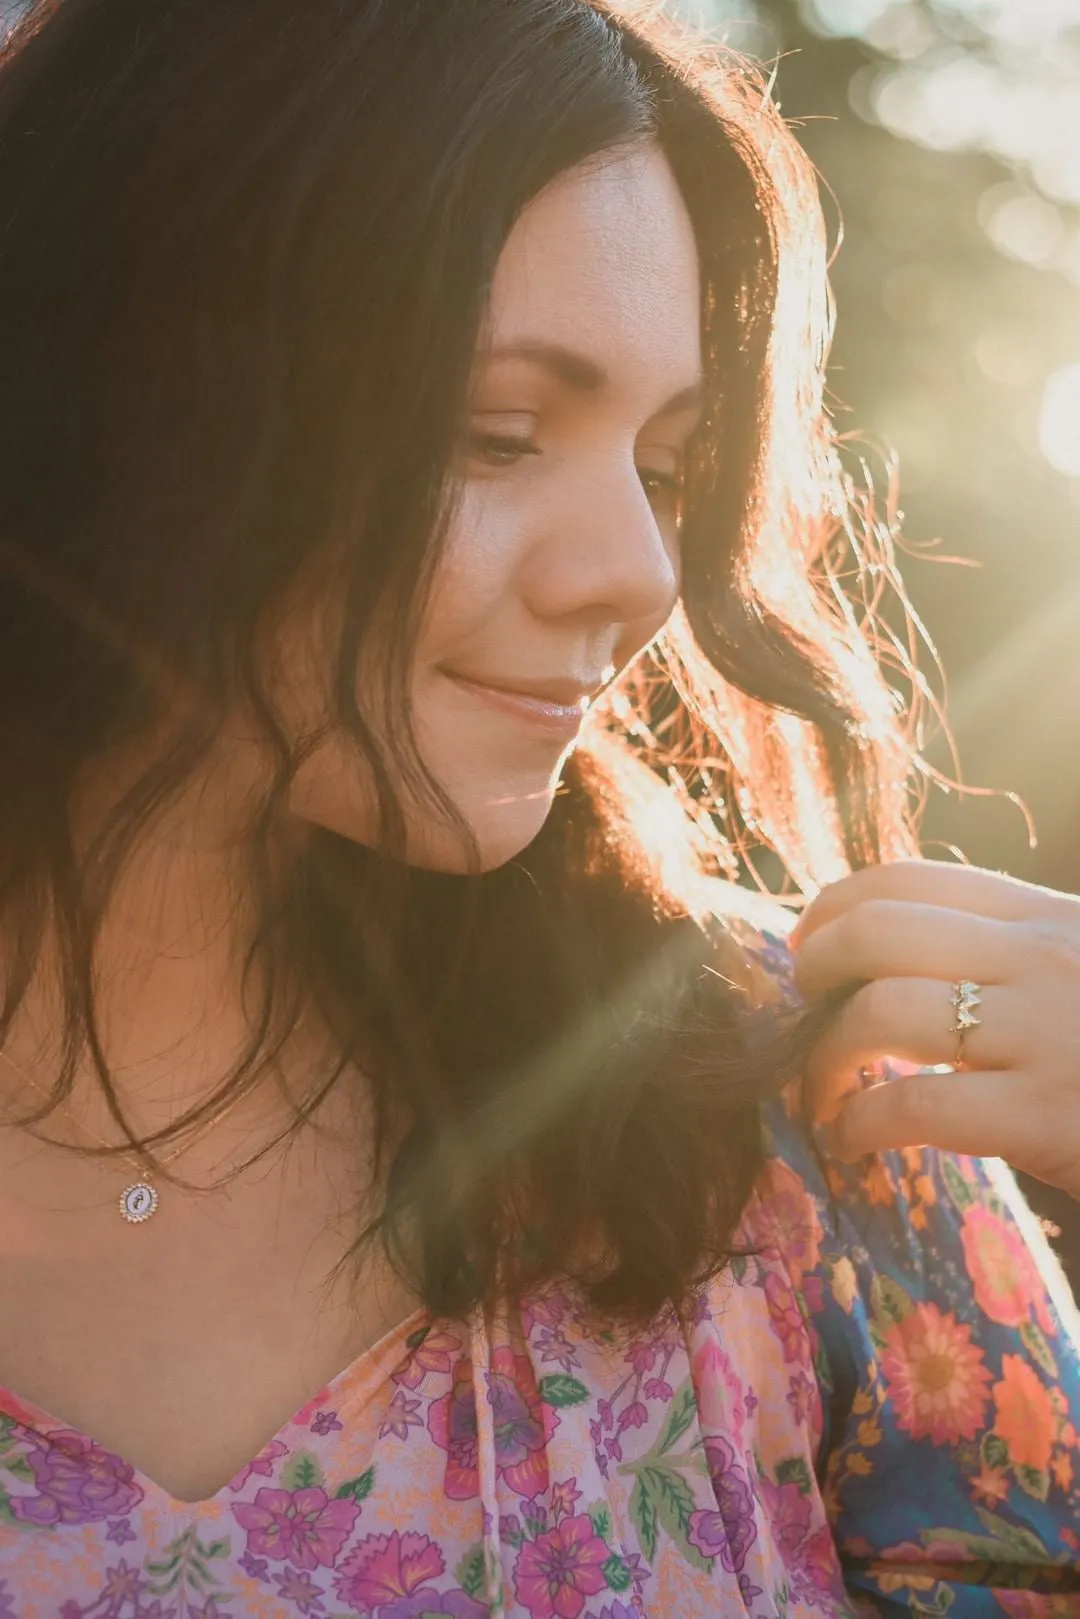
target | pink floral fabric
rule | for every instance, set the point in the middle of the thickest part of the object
(874, 1410)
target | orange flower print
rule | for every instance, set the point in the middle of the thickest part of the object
(798, 1228)
(936, 1376)
(992, 1486)
(1025, 1414)
(999, 1265)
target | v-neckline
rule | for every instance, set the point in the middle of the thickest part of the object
(372, 1366)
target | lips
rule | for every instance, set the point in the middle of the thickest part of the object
(558, 691)
(556, 704)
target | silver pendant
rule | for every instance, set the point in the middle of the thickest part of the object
(138, 1202)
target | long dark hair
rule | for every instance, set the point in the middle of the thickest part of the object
(245, 252)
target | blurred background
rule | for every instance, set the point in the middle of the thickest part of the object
(948, 132)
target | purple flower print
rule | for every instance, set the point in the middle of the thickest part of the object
(616, 1610)
(120, 1531)
(456, 1604)
(296, 1526)
(564, 1497)
(556, 1573)
(729, 1532)
(255, 1567)
(553, 1347)
(656, 1388)
(403, 1414)
(633, 1415)
(522, 1423)
(324, 1422)
(299, 1590)
(806, 1545)
(6, 1609)
(122, 1584)
(748, 1590)
(77, 1481)
(388, 1568)
(643, 1357)
(263, 1464)
(451, 1422)
(802, 1394)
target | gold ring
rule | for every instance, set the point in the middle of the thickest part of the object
(966, 996)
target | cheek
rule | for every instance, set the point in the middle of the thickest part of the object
(474, 587)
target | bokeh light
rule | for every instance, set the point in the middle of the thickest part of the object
(1059, 421)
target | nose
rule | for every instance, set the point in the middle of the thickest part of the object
(602, 555)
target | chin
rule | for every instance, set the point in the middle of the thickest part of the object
(503, 824)
(502, 832)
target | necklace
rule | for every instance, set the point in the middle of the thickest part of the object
(138, 1201)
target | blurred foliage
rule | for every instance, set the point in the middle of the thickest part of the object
(948, 132)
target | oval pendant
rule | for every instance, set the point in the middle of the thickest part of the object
(138, 1202)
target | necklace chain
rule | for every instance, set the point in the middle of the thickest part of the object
(140, 1200)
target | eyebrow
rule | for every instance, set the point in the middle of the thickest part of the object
(582, 375)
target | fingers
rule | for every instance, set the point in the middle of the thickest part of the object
(986, 1115)
(911, 1019)
(935, 882)
(889, 938)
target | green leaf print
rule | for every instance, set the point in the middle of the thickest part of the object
(1033, 1482)
(600, 1518)
(1038, 1348)
(559, 1389)
(937, 1604)
(959, 1190)
(793, 1470)
(995, 1452)
(1003, 1544)
(1021, 1544)
(679, 1418)
(302, 1471)
(356, 1489)
(616, 1572)
(20, 1468)
(674, 1502)
(184, 1566)
(470, 1571)
(643, 1512)
(888, 1301)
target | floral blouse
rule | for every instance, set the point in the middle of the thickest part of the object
(874, 1411)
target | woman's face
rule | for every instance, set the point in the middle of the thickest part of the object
(563, 556)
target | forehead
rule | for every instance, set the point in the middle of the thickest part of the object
(604, 261)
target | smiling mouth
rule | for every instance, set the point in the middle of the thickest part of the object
(555, 706)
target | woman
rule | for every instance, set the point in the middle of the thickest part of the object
(389, 391)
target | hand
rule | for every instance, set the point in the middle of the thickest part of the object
(908, 933)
